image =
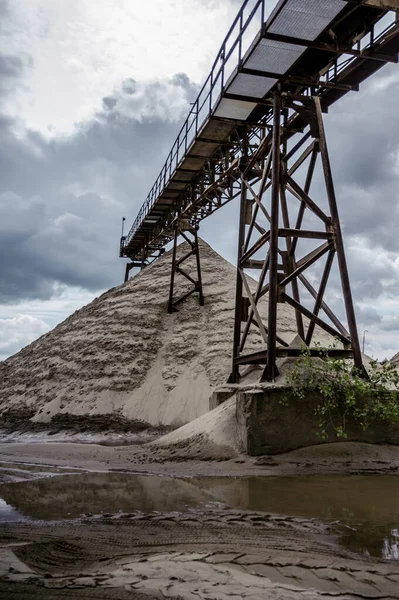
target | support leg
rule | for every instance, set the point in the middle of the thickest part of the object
(271, 369)
(177, 268)
(235, 374)
(276, 193)
(343, 268)
(171, 308)
(129, 266)
(199, 276)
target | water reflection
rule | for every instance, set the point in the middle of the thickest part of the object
(367, 505)
(70, 496)
(8, 513)
(390, 549)
(375, 540)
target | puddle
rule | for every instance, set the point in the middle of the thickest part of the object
(71, 496)
(16, 472)
(367, 505)
(7, 512)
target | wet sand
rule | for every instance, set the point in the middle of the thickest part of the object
(211, 553)
(340, 458)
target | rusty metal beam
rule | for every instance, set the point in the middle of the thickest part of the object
(177, 269)
(280, 268)
(271, 368)
(385, 4)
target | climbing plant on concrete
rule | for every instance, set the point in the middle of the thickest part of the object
(344, 392)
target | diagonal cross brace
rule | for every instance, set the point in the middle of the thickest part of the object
(176, 267)
(265, 224)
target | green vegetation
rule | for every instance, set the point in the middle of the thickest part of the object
(345, 393)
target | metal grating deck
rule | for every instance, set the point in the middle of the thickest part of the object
(294, 47)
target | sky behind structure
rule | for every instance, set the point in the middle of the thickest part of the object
(92, 95)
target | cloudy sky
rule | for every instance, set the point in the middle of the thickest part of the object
(92, 93)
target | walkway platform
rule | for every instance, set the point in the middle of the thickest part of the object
(307, 47)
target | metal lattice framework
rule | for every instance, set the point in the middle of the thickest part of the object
(256, 133)
(280, 268)
(190, 235)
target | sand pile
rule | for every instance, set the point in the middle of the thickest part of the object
(213, 435)
(395, 360)
(124, 354)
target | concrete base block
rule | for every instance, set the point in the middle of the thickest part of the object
(221, 395)
(266, 426)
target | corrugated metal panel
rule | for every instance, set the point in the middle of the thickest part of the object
(193, 163)
(275, 57)
(234, 109)
(215, 130)
(183, 175)
(251, 85)
(204, 148)
(305, 19)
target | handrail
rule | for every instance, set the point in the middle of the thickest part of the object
(216, 80)
(340, 66)
(190, 125)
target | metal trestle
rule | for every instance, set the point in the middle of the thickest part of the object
(190, 235)
(272, 234)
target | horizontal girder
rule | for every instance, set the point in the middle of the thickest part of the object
(203, 171)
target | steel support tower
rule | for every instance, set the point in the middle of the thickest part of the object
(280, 268)
(255, 135)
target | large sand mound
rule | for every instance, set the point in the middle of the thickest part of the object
(124, 354)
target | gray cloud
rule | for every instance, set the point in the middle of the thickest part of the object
(19, 331)
(129, 86)
(363, 138)
(367, 315)
(390, 324)
(61, 200)
(109, 102)
(10, 66)
(4, 10)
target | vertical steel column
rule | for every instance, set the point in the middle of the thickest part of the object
(172, 274)
(235, 372)
(286, 223)
(343, 268)
(197, 256)
(176, 268)
(271, 369)
(235, 375)
(127, 271)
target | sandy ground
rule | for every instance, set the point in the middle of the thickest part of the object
(113, 355)
(210, 554)
(205, 459)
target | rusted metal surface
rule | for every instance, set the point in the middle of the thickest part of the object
(253, 130)
(386, 4)
(200, 174)
(288, 253)
(190, 235)
(271, 369)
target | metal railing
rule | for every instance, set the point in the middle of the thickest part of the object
(235, 45)
(229, 56)
(370, 40)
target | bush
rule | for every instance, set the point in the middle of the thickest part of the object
(345, 392)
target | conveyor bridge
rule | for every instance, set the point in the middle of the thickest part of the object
(258, 121)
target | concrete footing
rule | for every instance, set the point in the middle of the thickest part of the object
(269, 424)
